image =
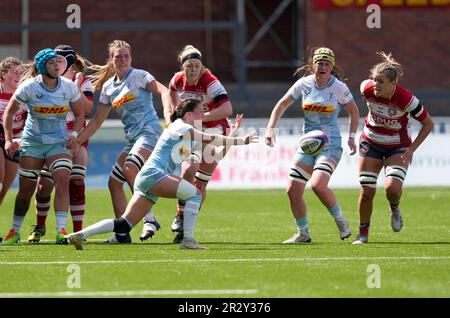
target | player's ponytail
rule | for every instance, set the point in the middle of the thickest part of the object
(390, 67)
(186, 106)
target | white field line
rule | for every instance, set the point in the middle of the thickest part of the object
(233, 260)
(132, 293)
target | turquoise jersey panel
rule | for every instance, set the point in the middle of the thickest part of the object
(47, 110)
(133, 102)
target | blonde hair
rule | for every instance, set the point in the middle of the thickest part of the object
(6, 64)
(188, 50)
(30, 71)
(390, 67)
(82, 63)
(317, 54)
(99, 74)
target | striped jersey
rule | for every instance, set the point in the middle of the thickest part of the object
(88, 90)
(19, 117)
(321, 105)
(133, 102)
(387, 123)
(47, 110)
(208, 91)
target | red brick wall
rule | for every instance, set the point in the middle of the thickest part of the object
(417, 38)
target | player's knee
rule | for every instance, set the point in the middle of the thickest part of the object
(394, 189)
(368, 194)
(298, 174)
(134, 161)
(293, 194)
(187, 191)
(78, 173)
(368, 179)
(396, 173)
(122, 225)
(319, 188)
(202, 177)
(116, 177)
(59, 165)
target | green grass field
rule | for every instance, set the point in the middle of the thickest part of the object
(242, 231)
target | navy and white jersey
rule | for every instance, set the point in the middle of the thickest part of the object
(133, 102)
(47, 110)
(172, 148)
(321, 105)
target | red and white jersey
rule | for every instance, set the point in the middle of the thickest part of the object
(19, 117)
(88, 91)
(208, 91)
(387, 124)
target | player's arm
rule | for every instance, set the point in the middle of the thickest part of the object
(220, 140)
(86, 96)
(78, 122)
(222, 150)
(427, 127)
(353, 113)
(8, 116)
(157, 88)
(223, 111)
(95, 123)
(277, 112)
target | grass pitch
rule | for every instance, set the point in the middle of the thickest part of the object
(242, 231)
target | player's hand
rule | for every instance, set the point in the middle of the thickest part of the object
(11, 147)
(73, 145)
(237, 124)
(251, 137)
(352, 146)
(407, 155)
(269, 137)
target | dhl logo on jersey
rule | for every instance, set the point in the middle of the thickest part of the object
(119, 102)
(318, 108)
(51, 110)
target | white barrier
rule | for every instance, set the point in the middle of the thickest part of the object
(259, 166)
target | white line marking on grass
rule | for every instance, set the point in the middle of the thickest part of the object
(233, 260)
(133, 293)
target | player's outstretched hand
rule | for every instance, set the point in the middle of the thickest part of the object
(251, 137)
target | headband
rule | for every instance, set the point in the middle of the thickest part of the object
(191, 56)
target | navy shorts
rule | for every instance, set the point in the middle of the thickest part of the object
(366, 149)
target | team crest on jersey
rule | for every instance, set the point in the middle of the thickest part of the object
(51, 110)
(183, 152)
(39, 95)
(120, 101)
(392, 112)
(318, 108)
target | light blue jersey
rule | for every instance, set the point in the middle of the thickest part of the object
(322, 105)
(133, 102)
(170, 151)
(47, 110)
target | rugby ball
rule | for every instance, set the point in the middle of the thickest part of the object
(314, 142)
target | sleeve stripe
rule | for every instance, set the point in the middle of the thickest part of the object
(221, 98)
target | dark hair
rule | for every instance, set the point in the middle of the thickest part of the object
(186, 106)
